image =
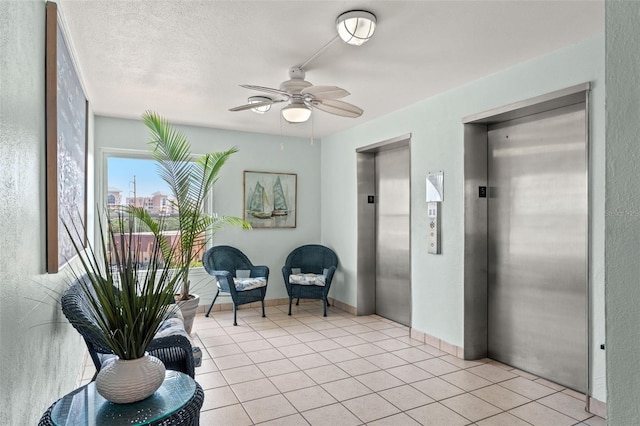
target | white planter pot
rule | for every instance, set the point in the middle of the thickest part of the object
(127, 381)
(188, 309)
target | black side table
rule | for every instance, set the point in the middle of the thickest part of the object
(177, 402)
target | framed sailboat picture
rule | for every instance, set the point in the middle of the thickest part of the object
(270, 199)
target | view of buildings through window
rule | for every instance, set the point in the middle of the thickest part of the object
(136, 182)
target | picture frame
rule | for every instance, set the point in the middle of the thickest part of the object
(270, 199)
(66, 147)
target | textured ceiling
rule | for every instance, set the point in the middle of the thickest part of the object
(186, 59)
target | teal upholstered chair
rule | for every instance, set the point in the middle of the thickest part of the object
(236, 275)
(308, 272)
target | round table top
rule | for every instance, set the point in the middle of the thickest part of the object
(86, 406)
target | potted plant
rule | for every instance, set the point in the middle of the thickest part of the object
(122, 303)
(190, 181)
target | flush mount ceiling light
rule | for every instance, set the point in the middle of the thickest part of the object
(262, 108)
(356, 27)
(296, 113)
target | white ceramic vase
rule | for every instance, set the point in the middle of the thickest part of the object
(127, 381)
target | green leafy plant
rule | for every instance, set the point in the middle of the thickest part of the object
(126, 301)
(190, 180)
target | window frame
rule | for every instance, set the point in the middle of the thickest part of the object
(102, 189)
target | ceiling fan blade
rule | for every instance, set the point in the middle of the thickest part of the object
(255, 105)
(340, 108)
(325, 92)
(267, 90)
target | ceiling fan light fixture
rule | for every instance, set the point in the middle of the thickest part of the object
(257, 99)
(296, 113)
(356, 27)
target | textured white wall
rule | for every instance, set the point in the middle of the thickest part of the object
(40, 353)
(437, 144)
(257, 152)
(622, 246)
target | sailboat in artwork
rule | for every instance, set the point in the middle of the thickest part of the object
(257, 202)
(279, 200)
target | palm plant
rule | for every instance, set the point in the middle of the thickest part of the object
(190, 181)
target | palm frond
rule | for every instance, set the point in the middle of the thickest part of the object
(172, 153)
(155, 226)
(191, 182)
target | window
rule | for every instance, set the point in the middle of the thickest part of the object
(135, 182)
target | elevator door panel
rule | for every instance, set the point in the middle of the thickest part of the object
(393, 284)
(537, 244)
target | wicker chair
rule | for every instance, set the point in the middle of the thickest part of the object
(224, 263)
(310, 259)
(174, 351)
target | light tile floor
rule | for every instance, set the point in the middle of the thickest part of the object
(354, 370)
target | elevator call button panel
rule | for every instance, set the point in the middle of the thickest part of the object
(433, 227)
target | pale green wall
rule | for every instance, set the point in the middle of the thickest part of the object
(40, 353)
(437, 144)
(622, 244)
(257, 152)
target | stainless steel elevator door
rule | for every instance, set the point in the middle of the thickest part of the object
(393, 282)
(537, 245)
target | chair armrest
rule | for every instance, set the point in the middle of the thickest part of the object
(220, 273)
(171, 341)
(329, 277)
(286, 271)
(176, 350)
(225, 279)
(260, 271)
(330, 272)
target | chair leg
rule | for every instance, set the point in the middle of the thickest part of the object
(234, 315)
(214, 301)
(298, 301)
(263, 315)
(327, 299)
(290, 300)
(324, 302)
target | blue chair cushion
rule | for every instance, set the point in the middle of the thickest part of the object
(308, 279)
(244, 284)
(174, 325)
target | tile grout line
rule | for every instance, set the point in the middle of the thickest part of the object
(390, 338)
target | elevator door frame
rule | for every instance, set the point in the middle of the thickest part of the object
(475, 212)
(366, 241)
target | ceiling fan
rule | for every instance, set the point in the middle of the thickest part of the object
(301, 96)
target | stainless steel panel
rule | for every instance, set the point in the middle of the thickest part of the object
(537, 224)
(475, 242)
(366, 297)
(393, 268)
